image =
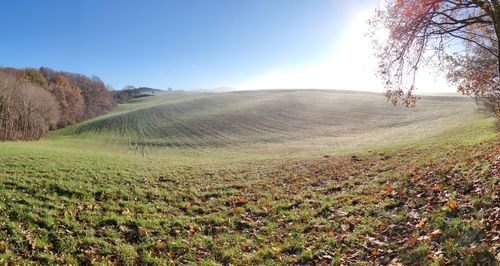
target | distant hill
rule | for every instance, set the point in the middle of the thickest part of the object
(147, 90)
(130, 92)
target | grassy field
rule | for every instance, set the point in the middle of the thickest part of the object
(248, 125)
(268, 177)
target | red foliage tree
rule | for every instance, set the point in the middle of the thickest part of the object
(424, 30)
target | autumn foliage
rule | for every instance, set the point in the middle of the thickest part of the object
(69, 99)
(33, 101)
(461, 36)
(26, 110)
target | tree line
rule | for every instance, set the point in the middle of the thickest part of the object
(34, 101)
(130, 92)
(127, 93)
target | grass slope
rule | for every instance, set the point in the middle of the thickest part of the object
(416, 197)
(238, 118)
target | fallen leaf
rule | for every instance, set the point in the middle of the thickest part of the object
(421, 223)
(452, 204)
(436, 233)
(435, 187)
(192, 228)
(423, 238)
(160, 246)
(389, 188)
(142, 231)
(411, 241)
(242, 200)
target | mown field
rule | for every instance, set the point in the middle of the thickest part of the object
(271, 177)
(263, 125)
(239, 118)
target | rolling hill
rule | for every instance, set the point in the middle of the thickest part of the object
(297, 177)
(200, 120)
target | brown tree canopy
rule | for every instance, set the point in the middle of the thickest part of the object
(97, 98)
(461, 35)
(33, 101)
(33, 76)
(69, 98)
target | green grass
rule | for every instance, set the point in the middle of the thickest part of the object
(338, 177)
(266, 124)
(239, 118)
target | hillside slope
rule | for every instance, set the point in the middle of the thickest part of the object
(416, 206)
(411, 187)
(236, 118)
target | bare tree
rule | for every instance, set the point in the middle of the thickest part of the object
(27, 111)
(457, 33)
(38, 109)
(33, 101)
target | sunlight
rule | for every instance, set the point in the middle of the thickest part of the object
(352, 66)
(247, 132)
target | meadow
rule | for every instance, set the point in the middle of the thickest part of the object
(264, 124)
(263, 177)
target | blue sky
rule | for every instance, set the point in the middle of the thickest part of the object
(194, 44)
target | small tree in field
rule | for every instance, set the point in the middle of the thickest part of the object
(461, 35)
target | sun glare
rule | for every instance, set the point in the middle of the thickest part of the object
(350, 66)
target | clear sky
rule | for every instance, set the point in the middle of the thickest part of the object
(198, 44)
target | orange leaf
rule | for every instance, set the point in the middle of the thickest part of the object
(411, 241)
(242, 200)
(389, 188)
(436, 233)
(421, 223)
(331, 233)
(435, 187)
(452, 204)
(160, 246)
